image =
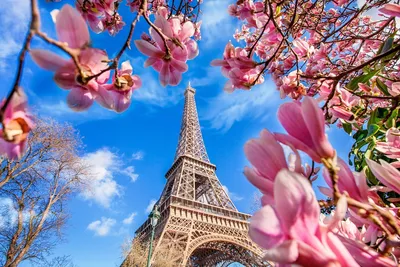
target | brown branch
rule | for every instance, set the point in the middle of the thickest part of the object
(369, 211)
(34, 24)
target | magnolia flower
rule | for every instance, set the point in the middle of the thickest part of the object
(290, 230)
(386, 173)
(268, 158)
(392, 145)
(17, 124)
(123, 86)
(170, 66)
(71, 29)
(354, 184)
(391, 10)
(305, 125)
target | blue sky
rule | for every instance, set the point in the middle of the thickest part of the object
(132, 151)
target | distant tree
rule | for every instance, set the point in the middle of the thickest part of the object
(35, 191)
(135, 254)
(60, 261)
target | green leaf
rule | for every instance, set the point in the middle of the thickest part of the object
(382, 87)
(392, 119)
(364, 78)
(347, 127)
(372, 130)
(360, 135)
(387, 45)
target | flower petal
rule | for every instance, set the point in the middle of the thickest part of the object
(79, 99)
(71, 27)
(148, 49)
(265, 228)
(47, 60)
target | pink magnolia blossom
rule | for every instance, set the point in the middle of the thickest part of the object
(392, 145)
(302, 48)
(354, 240)
(268, 158)
(354, 184)
(391, 10)
(394, 90)
(72, 29)
(305, 125)
(123, 87)
(91, 14)
(17, 124)
(386, 173)
(290, 230)
(242, 71)
(170, 66)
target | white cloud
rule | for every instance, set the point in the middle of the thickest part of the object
(217, 25)
(59, 110)
(130, 172)
(151, 205)
(212, 74)
(13, 28)
(225, 109)
(138, 155)
(154, 94)
(104, 164)
(9, 213)
(102, 227)
(130, 218)
(233, 196)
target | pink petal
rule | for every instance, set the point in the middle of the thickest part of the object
(386, 173)
(229, 87)
(164, 74)
(175, 77)
(187, 30)
(121, 101)
(151, 61)
(96, 61)
(126, 66)
(287, 252)
(79, 99)
(71, 27)
(291, 141)
(315, 122)
(65, 77)
(104, 98)
(192, 48)
(391, 10)
(179, 65)
(148, 49)
(265, 185)
(326, 191)
(265, 228)
(291, 118)
(295, 200)
(164, 25)
(47, 60)
(266, 154)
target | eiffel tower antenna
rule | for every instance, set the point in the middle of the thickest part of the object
(190, 138)
(199, 224)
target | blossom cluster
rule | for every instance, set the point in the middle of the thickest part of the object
(86, 73)
(91, 84)
(169, 47)
(289, 225)
(101, 15)
(328, 50)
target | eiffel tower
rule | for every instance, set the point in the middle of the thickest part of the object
(199, 224)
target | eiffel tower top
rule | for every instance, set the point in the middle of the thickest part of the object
(190, 139)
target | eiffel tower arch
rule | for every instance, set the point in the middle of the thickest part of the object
(199, 224)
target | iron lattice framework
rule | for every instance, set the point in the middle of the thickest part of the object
(199, 224)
